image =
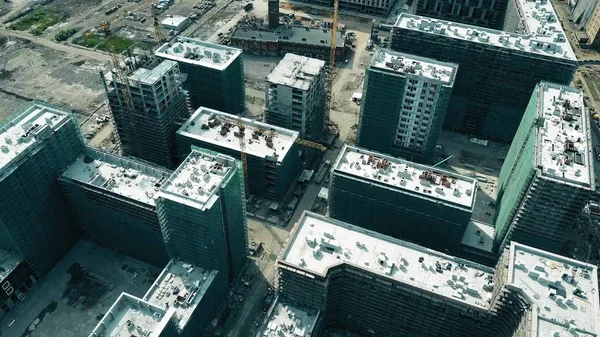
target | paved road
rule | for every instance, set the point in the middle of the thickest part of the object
(56, 46)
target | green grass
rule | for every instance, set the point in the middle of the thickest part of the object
(64, 34)
(120, 44)
(41, 18)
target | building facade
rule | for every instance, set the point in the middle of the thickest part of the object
(15, 279)
(215, 73)
(112, 200)
(401, 199)
(157, 105)
(36, 144)
(498, 70)
(485, 13)
(378, 8)
(411, 91)
(548, 175)
(202, 213)
(294, 97)
(379, 286)
(273, 158)
(300, 40)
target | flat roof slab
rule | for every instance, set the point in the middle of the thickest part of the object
(407, 64)
(319, 243)
(198, 52)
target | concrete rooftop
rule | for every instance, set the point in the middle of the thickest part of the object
(197, 179)
(563, 292)
(130, 316)
(126, 177)
(19, 132)
(296, 71)
(201, 126)
(411, 65)
(198, 52)
(563, 149)
(150, 76)
(318, 243)
(479, 235)
(180, 286)
(77, 293)
(283, 320)
(543, 33)
(415, 179)
(8, 262)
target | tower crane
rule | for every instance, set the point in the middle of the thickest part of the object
(158, 33)
(121, 80)
(332, 54)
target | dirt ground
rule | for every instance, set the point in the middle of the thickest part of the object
(32, 72)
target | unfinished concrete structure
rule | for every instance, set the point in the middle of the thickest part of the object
(400, 198)
(380, 286)
(485, 13)
(202, 213)
(131, 316)
(36, 143)
(15, 279)
(157, 106)
(273, 16)
(294, 97)
(215, 73)
(491, 89)
(404, 103)
(548, 175)
(193, 292)
(273, 157)
(113, 202)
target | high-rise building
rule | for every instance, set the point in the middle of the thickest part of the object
(113, 201)
(35, 145)
(400, 198)
(15, 278)
(498, 69)
(548, 176)
(147, 118)
(272, 156)
(404, 102)
(215, 73)
(379, 286)
(485, 13)
(295, 96)
(273, 6)
(202, 213)
(132, 316)
(193, 292)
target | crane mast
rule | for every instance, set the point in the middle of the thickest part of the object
(332, 54)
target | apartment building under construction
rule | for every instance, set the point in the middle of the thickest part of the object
(548, 175)
(36, 143)
(272, 154)
(202, 213)
(498, 69)
(148, 110)
(113, 201)
(215, 73)
(400, 198)
(380, 286)
(404, 103)
(294, 96)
